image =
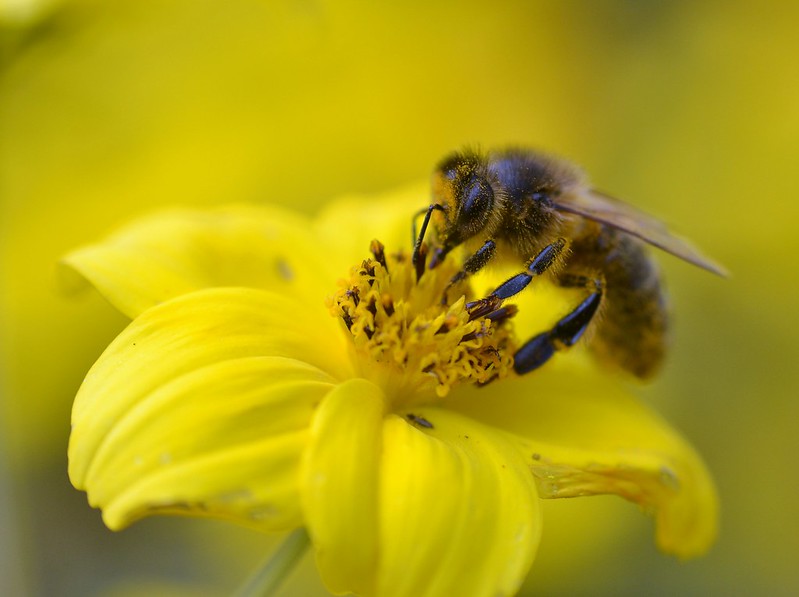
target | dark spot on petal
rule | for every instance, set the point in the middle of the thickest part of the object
(284, 270)
(419, 421)
(536, 456)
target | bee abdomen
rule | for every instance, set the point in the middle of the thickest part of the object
(633, 330)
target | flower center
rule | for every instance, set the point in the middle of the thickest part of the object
(408, 335)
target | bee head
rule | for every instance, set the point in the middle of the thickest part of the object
(462, 185)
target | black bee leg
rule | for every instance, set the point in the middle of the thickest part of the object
(417, 240)
(472, 265)
(512, 286)
(565, 333)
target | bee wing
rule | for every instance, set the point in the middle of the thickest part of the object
(613, 212)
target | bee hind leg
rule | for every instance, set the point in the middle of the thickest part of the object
(566, 332)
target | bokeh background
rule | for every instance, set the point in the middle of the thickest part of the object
(690, 110)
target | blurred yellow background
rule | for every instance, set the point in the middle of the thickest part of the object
(689, 110)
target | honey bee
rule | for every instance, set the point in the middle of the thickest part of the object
(541, 211)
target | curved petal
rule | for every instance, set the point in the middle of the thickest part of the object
(583, 435)
(222, 440)
(173, 253)
(459, 513)
(176, 345)
(340, 485)
(255, 484)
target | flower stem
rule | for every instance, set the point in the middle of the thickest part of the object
(266, 581)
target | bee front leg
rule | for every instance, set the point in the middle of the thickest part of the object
(417, 240)
(566, 332)
(472, 265)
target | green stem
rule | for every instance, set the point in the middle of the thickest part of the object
(270, 576)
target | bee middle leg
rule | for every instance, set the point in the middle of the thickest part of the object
(513, 286)
(566, 332)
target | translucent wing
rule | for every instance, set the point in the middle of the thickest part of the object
(607, 210)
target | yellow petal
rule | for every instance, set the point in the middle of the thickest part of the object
(584, 435)
(184, 336)
(459, 514)
(254, 484)
(340, 485)
(222, 440)
(172, 253)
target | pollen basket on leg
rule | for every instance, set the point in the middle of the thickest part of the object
(410, 338)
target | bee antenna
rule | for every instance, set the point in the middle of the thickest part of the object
(419, 239)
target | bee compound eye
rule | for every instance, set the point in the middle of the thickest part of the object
(478, 197)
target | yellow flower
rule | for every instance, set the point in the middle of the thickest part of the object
(254, 384)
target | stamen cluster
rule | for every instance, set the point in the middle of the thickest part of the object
(404, 327)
